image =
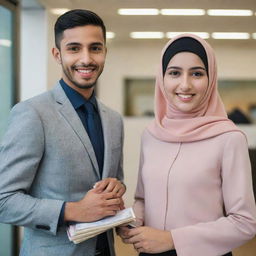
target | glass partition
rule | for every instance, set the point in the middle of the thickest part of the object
(8, 76)
(6, 66)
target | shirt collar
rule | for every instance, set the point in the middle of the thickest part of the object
(76, 99)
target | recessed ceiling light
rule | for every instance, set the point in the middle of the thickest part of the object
(147, 35)
(223, 12)
(182, 12)
(203, 35)
(59, 11)
(5, 42)
(110, 35)
(254, 35)
(141, 11)
(230, 35)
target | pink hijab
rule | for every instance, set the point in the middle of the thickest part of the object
(207, 120)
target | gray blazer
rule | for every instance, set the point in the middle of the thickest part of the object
(46, 158)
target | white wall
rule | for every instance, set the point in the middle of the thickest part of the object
(141, 60)
(34, 52)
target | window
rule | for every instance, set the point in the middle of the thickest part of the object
(7, 62)
(139, 97)
(8, 76)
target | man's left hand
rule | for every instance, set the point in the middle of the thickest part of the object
(110, 185)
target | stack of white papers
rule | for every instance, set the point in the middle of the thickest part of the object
(83, 231)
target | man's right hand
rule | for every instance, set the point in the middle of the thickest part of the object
(92, 207)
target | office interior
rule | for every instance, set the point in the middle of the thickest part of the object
(127, 83)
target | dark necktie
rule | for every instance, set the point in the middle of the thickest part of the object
(93, 131)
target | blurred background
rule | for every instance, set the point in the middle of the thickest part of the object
(137, 31)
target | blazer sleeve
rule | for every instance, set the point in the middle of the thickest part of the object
(239, 225)
(21, 151)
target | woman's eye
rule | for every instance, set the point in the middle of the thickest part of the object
(198, 74)
(174, 73)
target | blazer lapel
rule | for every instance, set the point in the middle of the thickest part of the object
(68, 112)
(106, 127)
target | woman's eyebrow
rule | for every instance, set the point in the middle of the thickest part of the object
(174, 67)
(198, 67)
(193, 68)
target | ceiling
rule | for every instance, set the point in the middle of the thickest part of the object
(123, 25)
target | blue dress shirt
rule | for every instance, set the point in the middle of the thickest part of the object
(79, 103)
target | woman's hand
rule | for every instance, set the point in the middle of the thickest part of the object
(149, 240)
(123, 232)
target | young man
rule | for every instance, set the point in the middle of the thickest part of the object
(61, 158)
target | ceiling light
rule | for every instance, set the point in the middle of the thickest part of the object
(203, 35)
(223, 12)
(182, 12)
(230, 35)
(254, 35)
(59, 11)
(140, 11)
(110, 35)
(5, 42)
(147, 35)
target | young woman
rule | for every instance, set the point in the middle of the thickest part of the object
(194, 194)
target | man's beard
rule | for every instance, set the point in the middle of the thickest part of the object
(78, 85)
(84, 87)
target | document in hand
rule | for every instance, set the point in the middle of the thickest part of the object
(83, 231)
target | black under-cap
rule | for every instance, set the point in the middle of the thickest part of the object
(184, 44)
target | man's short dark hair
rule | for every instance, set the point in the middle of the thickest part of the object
(76, 18)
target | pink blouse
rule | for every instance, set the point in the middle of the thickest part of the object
(200, 191)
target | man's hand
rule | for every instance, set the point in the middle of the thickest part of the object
(105, 199)
(110, 185)
(93, 206)
(148, 240)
